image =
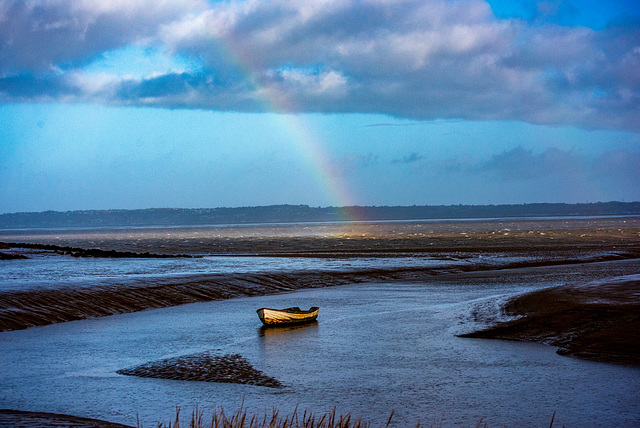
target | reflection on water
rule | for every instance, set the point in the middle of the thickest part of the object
(303, 248)
(271, 330)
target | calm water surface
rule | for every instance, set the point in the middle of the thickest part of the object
(377, 347)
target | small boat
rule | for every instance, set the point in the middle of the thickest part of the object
(287, 316)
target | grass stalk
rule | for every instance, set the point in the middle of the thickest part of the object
(241, 419)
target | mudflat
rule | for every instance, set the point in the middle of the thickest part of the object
(17, 418)
(595, 319)
(598, 321)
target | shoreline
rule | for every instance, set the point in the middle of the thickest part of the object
(597, 321)
(25, 309)
(13, 418)
(580, 320)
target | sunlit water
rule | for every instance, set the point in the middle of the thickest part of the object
(46, 269)
(376, 348)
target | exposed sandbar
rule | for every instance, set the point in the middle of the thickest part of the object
(25, 309)
(598, 321)
(513, 235)
(204, 367)
(17, 418)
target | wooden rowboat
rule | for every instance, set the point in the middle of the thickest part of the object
(287, 316)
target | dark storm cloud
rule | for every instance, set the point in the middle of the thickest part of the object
(164, 86)
(418, 59)
(187, 90)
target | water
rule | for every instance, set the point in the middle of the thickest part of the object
(377, 347)
(307, 247)
(54, 271)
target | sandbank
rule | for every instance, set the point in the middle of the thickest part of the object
(598, 321)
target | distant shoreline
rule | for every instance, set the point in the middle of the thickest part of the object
(168, 217)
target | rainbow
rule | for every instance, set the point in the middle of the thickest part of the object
(311, 149)
(310, 146)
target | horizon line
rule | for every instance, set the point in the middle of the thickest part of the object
(321, 207)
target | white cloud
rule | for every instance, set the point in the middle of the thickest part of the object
(422, 59)
(329, 83)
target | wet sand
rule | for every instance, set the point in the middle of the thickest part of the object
(546, 242)
(205, 367)
(16, 418)
(583, 321)
(523, 236)
(26, 309)
(599, 321)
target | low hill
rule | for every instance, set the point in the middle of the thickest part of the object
(302, 213)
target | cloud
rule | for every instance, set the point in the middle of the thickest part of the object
(411, 158)
(43, 35)
(417, 59)
(619, 165)
(520, 164)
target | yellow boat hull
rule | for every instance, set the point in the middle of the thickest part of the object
(287, 316)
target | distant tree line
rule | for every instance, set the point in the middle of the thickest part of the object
(303, 213)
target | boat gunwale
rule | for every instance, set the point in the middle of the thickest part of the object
(292, 310)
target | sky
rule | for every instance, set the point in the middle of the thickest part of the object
(133, 104)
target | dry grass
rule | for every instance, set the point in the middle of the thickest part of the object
(241, 419)
(307, 420)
